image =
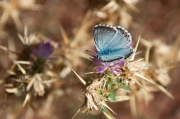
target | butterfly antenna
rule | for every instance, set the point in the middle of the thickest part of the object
(88, 65)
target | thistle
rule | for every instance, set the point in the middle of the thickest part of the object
(29, 73)
(120, 80)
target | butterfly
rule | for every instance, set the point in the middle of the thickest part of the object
(112, 42)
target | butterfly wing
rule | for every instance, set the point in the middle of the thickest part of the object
(115, 40)
(103, 36)
(121, 53)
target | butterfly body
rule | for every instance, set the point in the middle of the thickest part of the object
(108, 51)
(112, 43)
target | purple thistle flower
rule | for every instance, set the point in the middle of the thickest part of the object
(45, 49)
(113, 67)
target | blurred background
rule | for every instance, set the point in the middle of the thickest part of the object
(70, 23)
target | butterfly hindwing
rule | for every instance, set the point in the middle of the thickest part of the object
(122, 53)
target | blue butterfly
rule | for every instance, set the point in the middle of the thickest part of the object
(112, 43)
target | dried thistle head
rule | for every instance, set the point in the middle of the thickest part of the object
(29, 39)
(12, 8)
(94, 94)
(38, 85)
(160, 62)
(116, 11)
(157, 53)
(31, 71)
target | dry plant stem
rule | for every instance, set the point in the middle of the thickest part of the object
(79, 77)
(157, 85)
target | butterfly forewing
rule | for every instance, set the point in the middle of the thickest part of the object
(103, 35)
